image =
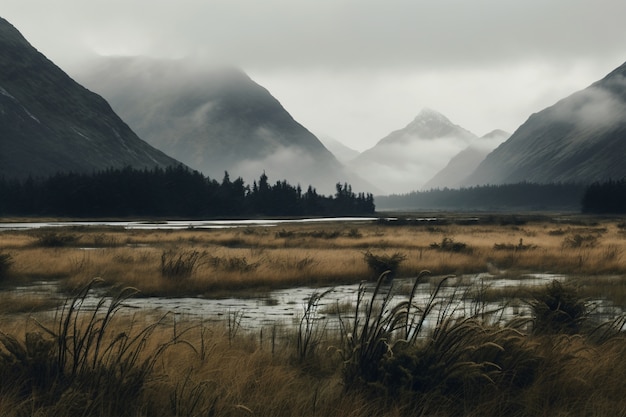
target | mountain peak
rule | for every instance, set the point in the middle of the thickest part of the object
(430, 124)
(497, 133)
(403, 160)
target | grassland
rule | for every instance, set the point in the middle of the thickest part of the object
(251, 259)
(381, 362)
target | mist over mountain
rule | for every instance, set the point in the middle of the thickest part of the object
(405, 159)
(581, 138)
(216, 120)
(465, 162)
(343, 153)
(49, 123)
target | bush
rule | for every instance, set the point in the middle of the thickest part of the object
(449, 245)
(558, 309)
(56, 240)
(580, 241)
(380, 264)
(511, 247)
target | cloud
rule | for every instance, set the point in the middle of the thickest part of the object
(357, 69)
(593, 107)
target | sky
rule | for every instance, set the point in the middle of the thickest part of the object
(356, 70)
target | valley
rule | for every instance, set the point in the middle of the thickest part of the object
(247, 304)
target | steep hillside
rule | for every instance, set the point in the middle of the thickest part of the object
(405, 159)
(466, 161)
(581, 138)
(49, 123)
(216, 120)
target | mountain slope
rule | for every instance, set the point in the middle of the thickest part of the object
(49, 123)
(405, 159)
(342, 152)
(466, 161)
(581, 138)
(216, 120)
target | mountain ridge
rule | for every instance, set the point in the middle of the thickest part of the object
(216, 119)
(49, 123)
(580, 139)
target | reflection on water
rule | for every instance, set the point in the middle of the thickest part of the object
(285, 307)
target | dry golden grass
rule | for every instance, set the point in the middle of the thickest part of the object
(254, 258)
(211, 372)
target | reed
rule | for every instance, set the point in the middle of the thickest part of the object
(100, 360)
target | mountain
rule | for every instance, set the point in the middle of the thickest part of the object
(405, 159)
(215, 120)
(342, 152)
(581, 138)
(466, 161)
(49, 123)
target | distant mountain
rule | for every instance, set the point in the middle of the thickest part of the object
(466, 161)
(405, 159)
(49, 123)
(216, 120)
(342, 152)
(581, 138)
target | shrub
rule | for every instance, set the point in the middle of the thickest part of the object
(558, 309)
(449, 245)
(580, 241)
(511, 247)
(55, 240)
(380, 264)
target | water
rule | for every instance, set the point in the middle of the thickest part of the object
(180, 224)
(286, 307)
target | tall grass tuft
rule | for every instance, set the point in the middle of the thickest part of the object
(390, 350)
(179, 265)
(558, 309)
(369, 335)
(51, 239)
(78, 364)
(384, 264)
(310, 332)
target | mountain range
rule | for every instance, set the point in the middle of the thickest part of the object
(579, 139)
(49, 123)
(406, 158)
(216, 120)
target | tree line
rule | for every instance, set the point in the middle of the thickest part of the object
(171, 192)
(608, 197)
(521, 196)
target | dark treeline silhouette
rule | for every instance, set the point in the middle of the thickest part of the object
(607, 197)
(175, 192)
(526, 196)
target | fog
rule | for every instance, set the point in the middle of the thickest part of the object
(356, 70)
(594, 107)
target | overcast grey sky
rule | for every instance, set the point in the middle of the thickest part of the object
(357, 70)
